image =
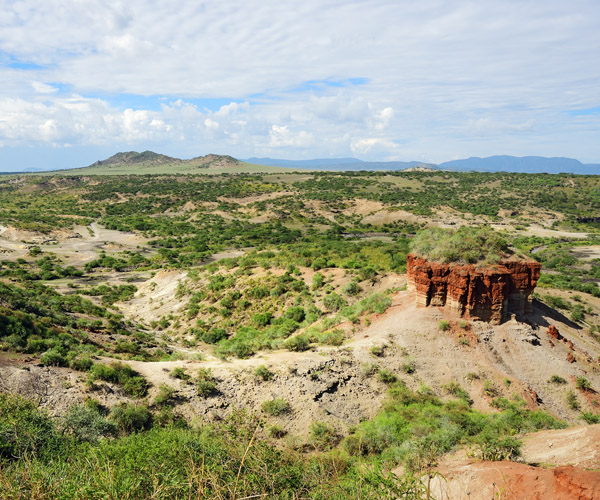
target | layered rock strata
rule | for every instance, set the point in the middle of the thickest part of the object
(480, 293)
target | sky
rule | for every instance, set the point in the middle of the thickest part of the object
(379, 80)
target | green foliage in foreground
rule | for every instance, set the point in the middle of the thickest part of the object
(45, 458)
(222, 461)
(467, 245)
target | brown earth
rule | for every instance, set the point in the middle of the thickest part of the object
(555, 465)
(489, 293)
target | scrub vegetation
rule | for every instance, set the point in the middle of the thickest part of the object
(102, 275)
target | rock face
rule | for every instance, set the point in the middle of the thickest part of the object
(481, 293)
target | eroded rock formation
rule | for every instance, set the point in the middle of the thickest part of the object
(481, 293)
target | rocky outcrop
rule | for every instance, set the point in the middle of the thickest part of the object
(481, 293)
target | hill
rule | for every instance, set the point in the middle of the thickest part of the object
(525, 164)
(149, 162)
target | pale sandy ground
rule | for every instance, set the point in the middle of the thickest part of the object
(75, 248)
(586, 253)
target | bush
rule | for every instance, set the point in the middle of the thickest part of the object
(333, 301)
(377, 350)
(572, 401)
(130, 418)
(262, 319)
(444, 325)
(590, 418)
(318, 281)
(456, 390)
(118, 373)
(556, 379)
(295, 313)
(386, 376)
(322, 436)
(25, 430)
(264, 373)
(82, 364)
(136, 386)
(87, 423)
(53, 357)
(495, 447)
(298, 343)
(179, 373)
(212, 336)
(468, 245)
(205, 383)
(583, 384)
(165, 395)
(352, 288)
(276, 407)
(276, 431)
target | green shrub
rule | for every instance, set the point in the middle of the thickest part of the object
(53, 357)
(590, 418)
(295, 313)
(82, 364)
(25, 430)
(369, 369)
(444, 325)
(583, 384)
(298, 343)
(136, 386)
(322, 436)
(87, 423)
(409, 367)
(276, 407)
(179, 373)
(276, 431)
(318, 281)
(212, 336)
(333, 301)
(377, 350)
(262, 319)
(456, 390)
(572, 401)
(130, 418)
(468, 245)
(386, 376)
(494, 447)
(352, 288)
(264, 373)
(205, 383)
(165, 395)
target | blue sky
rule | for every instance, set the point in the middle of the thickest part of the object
(378, 79)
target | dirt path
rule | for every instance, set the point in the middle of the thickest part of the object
(535, 230)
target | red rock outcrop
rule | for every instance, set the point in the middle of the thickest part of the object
(481, 293)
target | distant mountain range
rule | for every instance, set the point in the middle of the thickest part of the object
(339, 164)
(528, 164)
(525, 164)
(149, 161)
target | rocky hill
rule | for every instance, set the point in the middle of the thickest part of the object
(133, 158)
(481, 293)
(152, 159)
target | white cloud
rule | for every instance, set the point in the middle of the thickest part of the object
(367, 145)
(449, 78)
(43, 88)
(281, 136)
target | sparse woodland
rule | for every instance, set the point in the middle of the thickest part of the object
(101, 276)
